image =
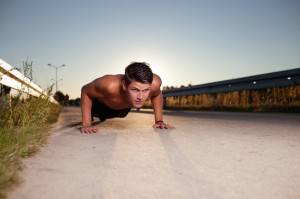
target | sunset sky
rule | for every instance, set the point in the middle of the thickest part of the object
(185, 42)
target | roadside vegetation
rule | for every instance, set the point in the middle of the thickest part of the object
(24, 124)
(284, 99)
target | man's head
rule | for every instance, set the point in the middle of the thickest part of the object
(137, 82)
(139, 72)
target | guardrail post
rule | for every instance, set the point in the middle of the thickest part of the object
(4, 97)
(164, 102)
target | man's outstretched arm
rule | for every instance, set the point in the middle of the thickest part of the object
(86, 106)
(158, 112)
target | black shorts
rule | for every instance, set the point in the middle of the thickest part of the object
(103, 112)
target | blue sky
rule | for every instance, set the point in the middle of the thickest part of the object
(187, 41)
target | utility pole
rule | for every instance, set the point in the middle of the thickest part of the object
(56, 67)
(27, 68)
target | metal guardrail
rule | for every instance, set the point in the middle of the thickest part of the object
(269, 80)
(12, 78)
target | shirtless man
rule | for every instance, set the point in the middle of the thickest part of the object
(114, 95)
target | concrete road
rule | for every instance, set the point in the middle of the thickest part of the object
(208, 155)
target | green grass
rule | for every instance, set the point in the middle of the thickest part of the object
(24, 126)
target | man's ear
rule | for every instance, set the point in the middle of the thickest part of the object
(124, 86)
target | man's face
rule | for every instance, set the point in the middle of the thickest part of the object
(138, 93)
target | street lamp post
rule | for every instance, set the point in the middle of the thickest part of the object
(56, 67)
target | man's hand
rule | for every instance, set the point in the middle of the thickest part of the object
(163, 125)
(89, 129)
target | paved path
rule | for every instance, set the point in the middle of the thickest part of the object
(208, 155)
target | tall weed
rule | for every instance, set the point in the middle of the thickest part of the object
(23, 129)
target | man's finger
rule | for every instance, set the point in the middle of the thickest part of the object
(95, 130)
(163, 126)
(170, 126)
(155, 125)
(84, 130)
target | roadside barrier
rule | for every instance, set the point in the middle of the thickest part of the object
(263, 81)
(280, 79)
(12, 78)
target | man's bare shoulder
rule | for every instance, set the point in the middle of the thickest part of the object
(156, 83)
(108, 83)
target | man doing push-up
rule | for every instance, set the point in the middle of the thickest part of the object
(113, 96)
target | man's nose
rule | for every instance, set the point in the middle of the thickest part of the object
(140, 96)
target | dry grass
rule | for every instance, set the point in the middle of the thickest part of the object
(285, 99)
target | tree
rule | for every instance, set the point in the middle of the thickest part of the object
(59, 97)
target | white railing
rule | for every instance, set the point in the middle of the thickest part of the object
(12, 78)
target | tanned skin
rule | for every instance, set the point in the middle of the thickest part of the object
(112, 91)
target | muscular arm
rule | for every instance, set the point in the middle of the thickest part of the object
(86, 106)
(87, 92)
(157, 103)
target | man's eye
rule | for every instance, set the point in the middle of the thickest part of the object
(146, 91)
(135, 90)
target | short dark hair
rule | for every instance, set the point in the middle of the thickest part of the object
(138, 71)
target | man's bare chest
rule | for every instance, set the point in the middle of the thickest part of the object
(115, 103)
